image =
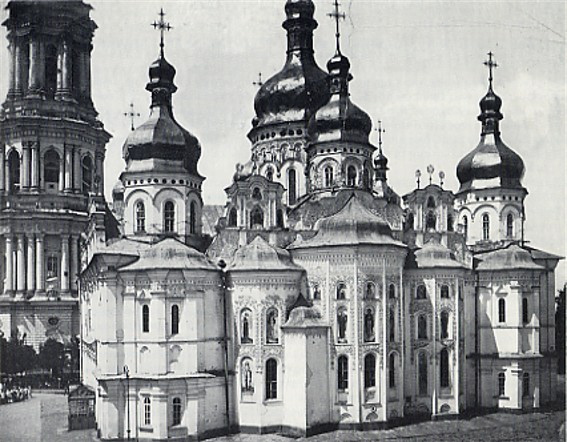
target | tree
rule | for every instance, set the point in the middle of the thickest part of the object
(52, 356)
(16, 357)
(560, 329)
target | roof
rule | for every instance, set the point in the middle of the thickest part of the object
(436, 255)
(354, 224)
(261, 256)
(305, 317)
(210, 218)
(540, 254)
(512, 257)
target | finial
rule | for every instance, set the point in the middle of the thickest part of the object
(258, 83)
(418, 176)
(162, 26)
(430, 170)
(131, 114)
(441, 177)
(380, 132)
(491, 65)
(336, 15)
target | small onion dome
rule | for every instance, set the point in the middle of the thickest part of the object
(380, 161)
(340, 119)
(492, 163)
(300, 88)
(118, 188)
(161, 74)
(512, 257)
(259, 255)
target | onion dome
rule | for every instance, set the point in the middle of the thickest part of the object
(491, 164)
(118, 188)
(354, 224)
(300, 88)
(340, 119)
(161, 136)
(259, 255)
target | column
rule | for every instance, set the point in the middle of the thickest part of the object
(8, 252)
(11, 84)
(20, 265)
(17, 68)
(68, 164)
(6, 176)
(65, 70)
(99, 172)
(34, 60)
(87, 68)
(31, 264)
(76, 170)
(25, 166)
(64, 263)
(39, 265)
(61, 172)
(74, 262)
(2, 166)
(34, 166)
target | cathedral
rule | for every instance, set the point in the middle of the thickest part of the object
(317, 298)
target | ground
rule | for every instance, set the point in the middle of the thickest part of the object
(44, 418)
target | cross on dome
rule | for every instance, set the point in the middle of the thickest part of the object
(491, 65)
(162, 26)
(380, 132)
(258, 83)
(336, 15)
(131, 114)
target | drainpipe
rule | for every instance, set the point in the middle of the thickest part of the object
(222, 266)
(476, 340)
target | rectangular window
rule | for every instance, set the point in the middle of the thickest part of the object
(501, 384)
(147, 411)
(52, 266)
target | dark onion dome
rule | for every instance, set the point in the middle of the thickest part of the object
(300, 88)
(492, 163)
(161, 137)
(380, 161)
(339, 119)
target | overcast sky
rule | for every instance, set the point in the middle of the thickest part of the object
(417, 66)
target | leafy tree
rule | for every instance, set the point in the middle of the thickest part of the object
(52, 356)
(560, 330)
(16, 357)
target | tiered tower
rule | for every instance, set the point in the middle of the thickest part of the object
(51, 166)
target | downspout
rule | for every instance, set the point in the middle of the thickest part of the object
(222, 266)
(476, 340)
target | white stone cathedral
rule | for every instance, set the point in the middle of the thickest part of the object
(319, 298)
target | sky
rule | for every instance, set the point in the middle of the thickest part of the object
(417, 66)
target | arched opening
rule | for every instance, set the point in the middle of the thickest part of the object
(176, 412)
(465, 227)
(444, 324)
(279, 219)
(50, 71)
(409, 221)
(485, 227)
(445, 291)
(51, 169)
(525, 313)
(246, 327)
(431, 202)
(192, 218)
(329, 178)
(316, 291)
(392, 370)
(256, 218)
(272, 326)
(369, 371)
(510, 226)
(14, 170)
(256, 194)
(87, 169)
(421, 292)
(174, 319)
(422, 327)
(450, 223)
(369, 335)
(370, 290)
(422, 374)
(430, 221)
(444, 368)
(169, 217)
(147, 411)
(270, 174)
(145, 318)
(342, 323)
(392, 325)
(351, 176)
(341, 290)
(140, 217)
(271, 379)
(292, 187)
(392, 291)
(232, 217)
(247, 384)
(501, 310)
(342, 373)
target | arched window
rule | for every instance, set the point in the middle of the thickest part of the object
(51, 167)
(271, 326)
(192, 218)
(392, 324)
(485, 227)
(392, 291)
(342, 323)
(147, 411)
(445, 291)
(444, 324)
(342, 371)
(465, 227)
(256, 218)
(526, 384)
(140, 217)
(271, 379)
(421, 292)
(292, 186)
(256, 194)
(316, 291)
(450, 223)
(246, 327)
(525, 313)
(270, 174)
(430, 221)
(14, 169)
(246, 374)
(422, 327)
(392, 370)
(176, 414)
(409, 221)
(50, 70)
(431, 202)
(341, 290)
(174, 319)
(87, 169)
(501, 384)
(510, 226)
(501, 310)
(329, 178)
(369, 325)
(444, 368)
(169, 217)
(370, 290)
(422, 374)
(279, 219)
(232, 220)
(351, 176)
(369, 371)
(146, 318)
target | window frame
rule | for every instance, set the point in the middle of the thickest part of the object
(369, 371)
(147, 408)
(342, 373)
(501, 384)
(174, 319)
(145, 318)
(271, 379)
(169, 217)
(501, 311)
(176, 411)
(139, 217)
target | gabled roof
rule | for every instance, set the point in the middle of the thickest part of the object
(436, 255)
(512, 257)
(260, 256)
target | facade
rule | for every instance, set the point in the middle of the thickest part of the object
(52, 149)
(323, 299)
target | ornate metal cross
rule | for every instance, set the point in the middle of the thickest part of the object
(258, 83)
(380, 132)
(491, 65)
(336, 15)
(162, 26)
(131, 114)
